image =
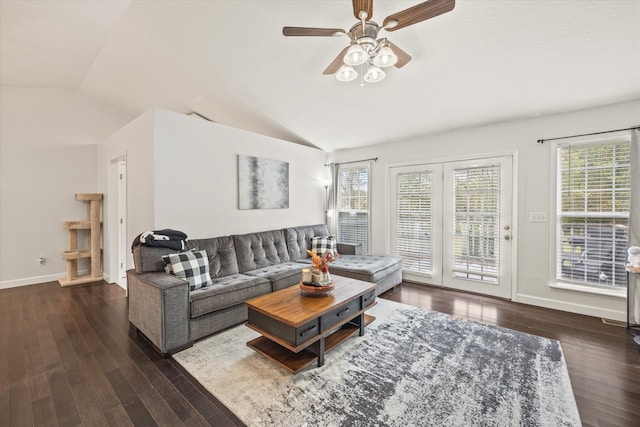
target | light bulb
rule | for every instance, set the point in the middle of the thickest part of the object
(346, 73)
(355, 55)
(374, 74)
(385, 58)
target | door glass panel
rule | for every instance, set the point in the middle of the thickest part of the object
(414, 221)
(476, 222)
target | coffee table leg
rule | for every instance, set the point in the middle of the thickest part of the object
(321, 353)
(361, 320)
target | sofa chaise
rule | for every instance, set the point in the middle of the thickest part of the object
(164, 309)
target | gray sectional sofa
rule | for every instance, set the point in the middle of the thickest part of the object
(242, 267)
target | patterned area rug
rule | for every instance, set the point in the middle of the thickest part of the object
(412, 368)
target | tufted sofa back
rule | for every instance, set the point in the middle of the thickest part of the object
(299, 239)
(258, 250)
(221, 252)
(240, 253)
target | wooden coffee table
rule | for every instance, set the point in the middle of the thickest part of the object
(297, 330)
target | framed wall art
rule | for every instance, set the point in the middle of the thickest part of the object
(262, 183)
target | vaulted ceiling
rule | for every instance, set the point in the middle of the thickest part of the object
(484, 62)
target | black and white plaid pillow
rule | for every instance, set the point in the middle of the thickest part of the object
(321, 244)
(191, 266)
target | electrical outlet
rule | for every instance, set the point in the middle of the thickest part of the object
(538, 217)
(42, 261)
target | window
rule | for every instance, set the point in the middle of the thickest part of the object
(414, 220)
(353, 205)
(593, 201)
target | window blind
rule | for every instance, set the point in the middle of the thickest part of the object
(414, 221)
(476, 223)
(594, 192)
(352, 228)
(353, 205)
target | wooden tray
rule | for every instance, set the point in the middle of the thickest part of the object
(634, 269)
(317, 290)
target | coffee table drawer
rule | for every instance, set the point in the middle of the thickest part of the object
(334, 317)
(368, 299)
(294, 336)
(307, 331)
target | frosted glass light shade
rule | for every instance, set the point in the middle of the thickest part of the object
(374, 74)
(346, 73)
(385, 57)
(355, 55)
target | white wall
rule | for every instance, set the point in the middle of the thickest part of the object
(533, 190)
(182, 174)
(134, 144)
(197, 179)
(48, 144)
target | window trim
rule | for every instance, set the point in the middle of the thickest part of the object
(554, 282)
(356, 165)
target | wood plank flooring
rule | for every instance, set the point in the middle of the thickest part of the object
(68, 357)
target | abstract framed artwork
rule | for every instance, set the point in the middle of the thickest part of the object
(262, 183)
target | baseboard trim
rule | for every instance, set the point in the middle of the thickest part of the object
(31, 280)
(587, 310)
(36, 280)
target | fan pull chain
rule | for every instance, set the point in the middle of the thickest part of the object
(361, 75)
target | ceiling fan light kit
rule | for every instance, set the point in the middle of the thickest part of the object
(374, 74)
(385, 58)
(365, 48)
(355, 55)
(346, 73)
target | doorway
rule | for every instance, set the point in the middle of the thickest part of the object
(122, 224)
(452, 223)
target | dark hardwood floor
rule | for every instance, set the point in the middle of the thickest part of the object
(68, 357)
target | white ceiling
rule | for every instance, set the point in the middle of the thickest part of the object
(484, 62)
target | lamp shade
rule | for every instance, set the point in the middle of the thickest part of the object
(346, 73)
(385, 57)
(374, 74)
(355, 55)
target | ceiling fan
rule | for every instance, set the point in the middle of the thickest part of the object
(366, 49)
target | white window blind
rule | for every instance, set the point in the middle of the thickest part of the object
(476, 223)
(593, 201)
(414, 221)
(353, 205)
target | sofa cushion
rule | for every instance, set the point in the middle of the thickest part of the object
(148, 259)
(221, 252)
(258, 250)
(192, 266)
(321, 244)
(280, 275)
(299, 239)
(370, 268)
(226, 292)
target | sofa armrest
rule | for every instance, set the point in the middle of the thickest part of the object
(349, 248)
(159, 308)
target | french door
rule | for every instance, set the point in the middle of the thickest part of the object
(451, 223)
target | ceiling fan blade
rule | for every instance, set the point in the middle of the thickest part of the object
(363, 5)
(337, 63)
(403, 57)
(305, 31)
(418, 13)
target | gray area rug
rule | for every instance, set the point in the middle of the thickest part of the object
(412, 368)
